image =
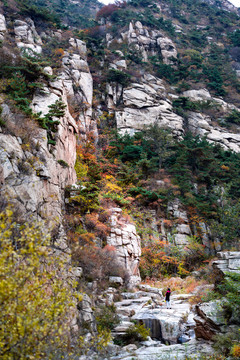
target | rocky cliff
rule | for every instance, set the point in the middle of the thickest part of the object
(39, 187)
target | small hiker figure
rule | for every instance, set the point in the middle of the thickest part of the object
(167, 298)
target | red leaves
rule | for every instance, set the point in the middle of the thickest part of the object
(106, 11)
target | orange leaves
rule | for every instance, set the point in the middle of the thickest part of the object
(167, 223)
(102, 230)
(156, 260)
(91, 220)
(109, 248)
(87, 238)
(99, 228)
(59, 52)
(224, 167)
(236, 351)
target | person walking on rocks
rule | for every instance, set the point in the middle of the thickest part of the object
(167, 298)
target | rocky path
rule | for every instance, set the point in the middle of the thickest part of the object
(171, 330)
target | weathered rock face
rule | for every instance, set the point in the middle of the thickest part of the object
(146, 102)
(200, 124)
(35, 177)
(147, 42)
(86, 316)
(182, 231)
(27, 37)
(228, 261)
(3, 26)
(34, 181)
(33, 173)
(209, 320)
(124, 238)
(147, 306)
(142, 105)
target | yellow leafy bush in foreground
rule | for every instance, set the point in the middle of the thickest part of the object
(35, 301)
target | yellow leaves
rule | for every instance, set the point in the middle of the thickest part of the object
(80, 167)
(104, 337)
(112, 188)
(224, 167)
(34, 300)
(79, 297)
(181, 270)
(236, 351)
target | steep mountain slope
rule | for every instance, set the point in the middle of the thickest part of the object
(61, 12)
(122, 134)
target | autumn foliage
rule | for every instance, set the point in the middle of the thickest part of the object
(98, 264)
(35, 301)
(155, 260)
(107, 11)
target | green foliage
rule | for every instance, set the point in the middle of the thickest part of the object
(86, 197)
(235, 37)
(63, 163)
(167, 72)
(231, 290)
(223, 343)
(134, 55)
(56, 110)
(215, 79)
(196, 160)
(51, 120)
(35, 301)
(197, 38)
(75, 14)
(20, 80)
(118, 199)
(226, 226)
(147, 16)
(143, 3)
(118, 76)
(136, 333)
(145, 150)
(233, 117)
(2, 122)
(199, 173)
(183, 104)
(106, 317)
(19, 91)
(37, 9)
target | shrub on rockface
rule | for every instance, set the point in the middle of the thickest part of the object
(106, 317)
(97, 263)
(118, 76)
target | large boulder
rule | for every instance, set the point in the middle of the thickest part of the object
(123, 237)
(209, 319)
